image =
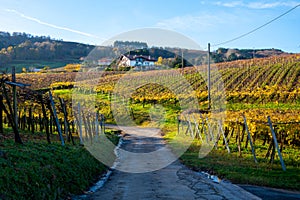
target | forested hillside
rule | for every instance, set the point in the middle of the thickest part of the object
(22, 46)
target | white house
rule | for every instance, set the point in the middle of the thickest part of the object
(137, 61)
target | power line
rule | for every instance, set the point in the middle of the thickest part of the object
(248, 33)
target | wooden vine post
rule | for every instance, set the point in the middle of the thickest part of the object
(30, 121)
(97, 126)
(250, 140)
(1, 114)
(14, 90)
(56, 119)
(10, 112)
(80, 123)
(190, 126)
(198, 133)
(67, 129)
(276, 144)
(224, 137)
(102, 123)
(46, 122)
(178, 124)
(239, 138)
(203, 128)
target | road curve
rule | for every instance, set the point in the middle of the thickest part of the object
(174, 181)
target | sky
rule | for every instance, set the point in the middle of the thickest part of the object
(96, 21)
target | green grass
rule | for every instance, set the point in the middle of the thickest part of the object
(37, 170)
(244, 170)
(39, 64)
(64, 93)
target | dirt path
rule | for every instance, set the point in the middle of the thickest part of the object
(172, 182)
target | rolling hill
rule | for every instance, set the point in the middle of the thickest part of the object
(25, 50)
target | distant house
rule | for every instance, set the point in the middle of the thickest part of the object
(104, 61)
(33, 69)
(140, 62)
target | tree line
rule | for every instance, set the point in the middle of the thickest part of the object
(22, 46)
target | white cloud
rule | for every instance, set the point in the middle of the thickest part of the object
(48, 24)
(257, 5)
(189, 22)
(231, 4)
(260, 5)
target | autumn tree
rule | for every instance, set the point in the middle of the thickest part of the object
(159, 61)
(72, 67)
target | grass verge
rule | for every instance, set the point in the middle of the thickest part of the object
(243, 170)
(40, 64)
(37, 170)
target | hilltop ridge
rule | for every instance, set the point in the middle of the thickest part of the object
(23, 47)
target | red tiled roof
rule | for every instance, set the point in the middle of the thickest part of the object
(134, 57)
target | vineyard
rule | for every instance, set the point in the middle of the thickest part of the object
(256, 87)
(274, 79)
(243, 94)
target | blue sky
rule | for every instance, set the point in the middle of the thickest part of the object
(94, 21)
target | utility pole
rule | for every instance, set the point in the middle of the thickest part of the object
(208, 77)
